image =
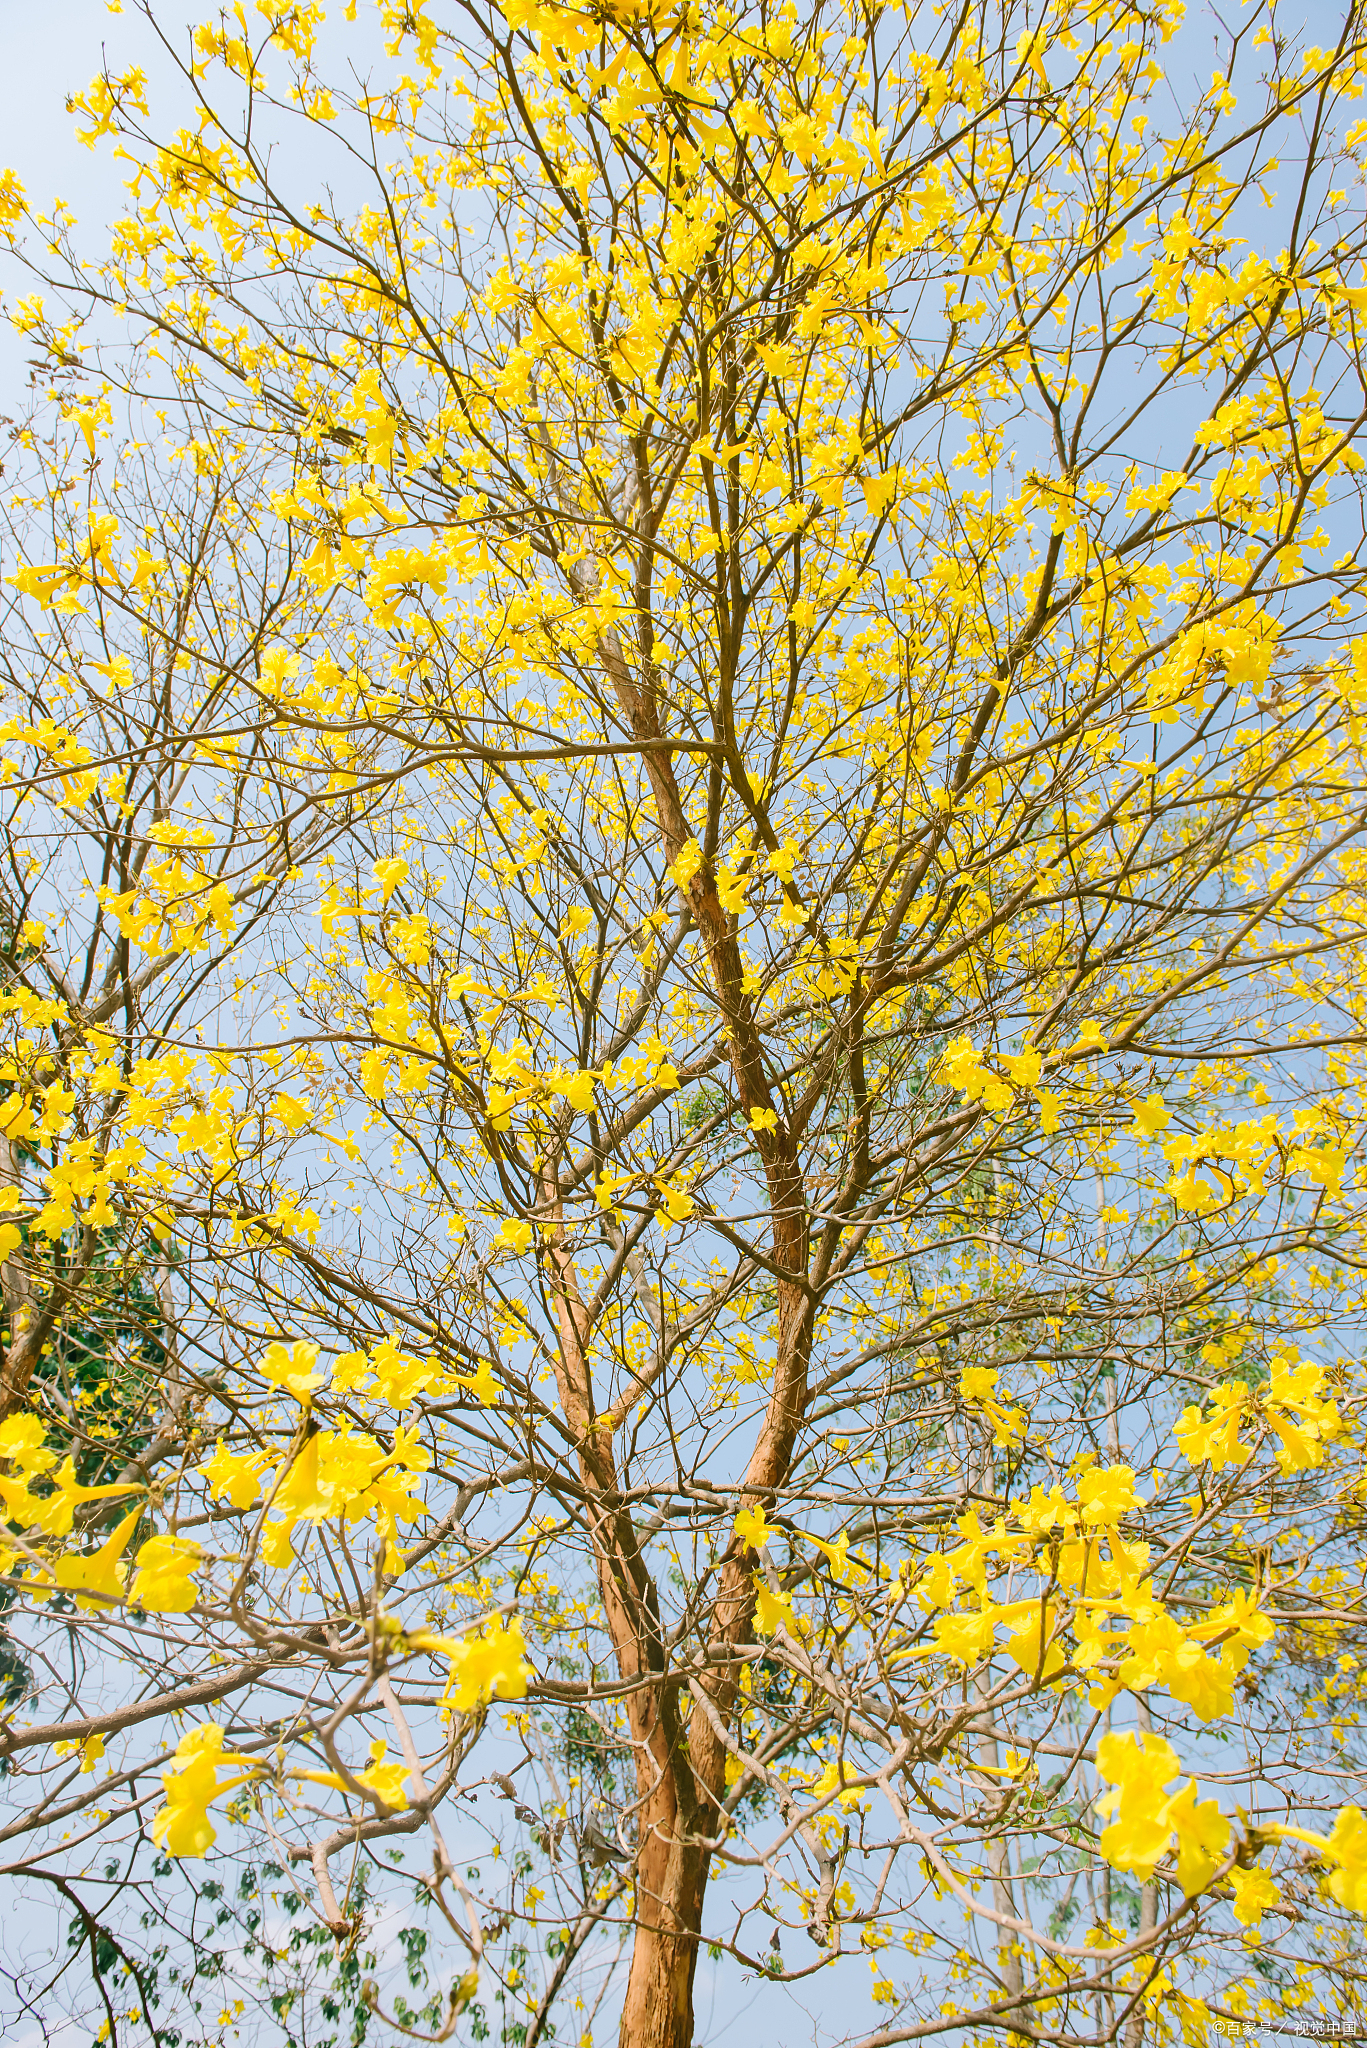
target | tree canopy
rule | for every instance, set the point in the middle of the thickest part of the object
(682, 852)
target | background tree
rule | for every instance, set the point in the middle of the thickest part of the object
(790, 587)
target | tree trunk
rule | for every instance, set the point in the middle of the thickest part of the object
(671, 1878)
(681, 1780)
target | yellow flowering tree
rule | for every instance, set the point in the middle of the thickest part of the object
(685, 837)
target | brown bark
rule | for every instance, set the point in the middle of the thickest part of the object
(670, 1872)
(680, 1774)
(670, 1884)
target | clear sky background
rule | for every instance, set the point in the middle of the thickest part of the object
(52, 48)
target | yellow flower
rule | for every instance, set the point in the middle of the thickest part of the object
(1152, 1117)
(577, 1089)
(398, 1378)
(977, 1384)
(55, 1515)
(387, 1781)
(23, 1443)
(1024, 1068)
(845, 1570)
(1239, 1621)
(92, 1749)
(100, 1576)
(606, 1191)
(290, 1367)
(1217, 1438)
(1107, 1495)
(1254, 1892)
(1202, 1833)
(751, 1528)
(773, 1611)
(482, 1384)
(1139, 1767)
(235, 1476)
(1147, 1817)
(490, 1665)
(1347, 1849)
(390, 874)
(965, 1637)
(1039, 1658)
(164, 1582)
(182, 1825)
(686, 864)
(676, 1203)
